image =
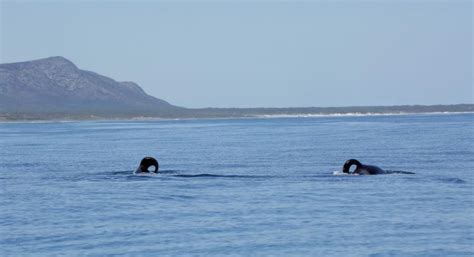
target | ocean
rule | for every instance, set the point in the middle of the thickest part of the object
(239, 187)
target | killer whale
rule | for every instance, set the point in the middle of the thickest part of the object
(146, 163)
(361, 169)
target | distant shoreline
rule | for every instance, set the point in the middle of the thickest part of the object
(362, 114)
(255, 116)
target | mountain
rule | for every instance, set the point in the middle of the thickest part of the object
(55, 87)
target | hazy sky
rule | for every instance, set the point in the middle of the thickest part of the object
(252, 54)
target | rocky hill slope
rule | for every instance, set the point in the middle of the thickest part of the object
(56, 87)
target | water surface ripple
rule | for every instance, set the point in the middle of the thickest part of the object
(242, 187)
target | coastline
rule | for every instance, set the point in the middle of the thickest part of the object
(263, 116)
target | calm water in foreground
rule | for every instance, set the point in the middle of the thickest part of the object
(244, 187)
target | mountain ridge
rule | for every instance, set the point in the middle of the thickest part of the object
(56, 85)
(54, 88)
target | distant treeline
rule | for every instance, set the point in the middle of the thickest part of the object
(252, 112)
(232, 112)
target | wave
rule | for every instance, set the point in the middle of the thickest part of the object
(354, 114)
(167, 174)
(206, 175)
(176, 173)
(387, 172)
(399, 172)
(450, 180)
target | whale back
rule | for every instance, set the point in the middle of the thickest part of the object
(348, 164)
(369, 170)
(361, 169)
(148, 162)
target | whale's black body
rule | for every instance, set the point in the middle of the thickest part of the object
(361, 169)
(146, 163)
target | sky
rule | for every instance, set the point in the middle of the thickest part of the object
(258, 53)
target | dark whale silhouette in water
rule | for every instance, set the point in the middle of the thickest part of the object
(146, 163)
(361, 169)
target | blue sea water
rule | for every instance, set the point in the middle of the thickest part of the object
(238, 187)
